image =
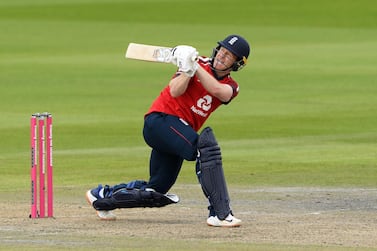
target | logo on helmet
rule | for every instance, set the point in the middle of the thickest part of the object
(233, 40)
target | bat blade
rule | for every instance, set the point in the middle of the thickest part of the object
(149, 53)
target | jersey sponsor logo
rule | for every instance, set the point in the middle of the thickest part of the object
(202, 106)
(205, 102)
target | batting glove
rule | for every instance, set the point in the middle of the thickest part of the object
(185, 57)
(191, 72)
(181, 52)
(188, 64)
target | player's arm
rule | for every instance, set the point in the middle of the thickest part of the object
(178, 84)
(223, 92)
(184, 57)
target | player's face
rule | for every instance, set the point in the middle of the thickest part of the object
(224, 59)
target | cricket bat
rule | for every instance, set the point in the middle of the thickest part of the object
(149, 53)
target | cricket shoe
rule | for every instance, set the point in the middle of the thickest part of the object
(229, 221)
(95, 194)
(172, 197)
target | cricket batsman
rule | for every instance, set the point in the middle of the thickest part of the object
(171, 129)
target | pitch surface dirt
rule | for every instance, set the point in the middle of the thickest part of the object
(340, 217)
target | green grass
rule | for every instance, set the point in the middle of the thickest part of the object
(305, 116)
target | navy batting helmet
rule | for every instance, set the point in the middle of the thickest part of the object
(239, 47)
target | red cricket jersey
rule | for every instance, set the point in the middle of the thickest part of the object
(196, 104)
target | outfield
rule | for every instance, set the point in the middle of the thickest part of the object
(305, 119)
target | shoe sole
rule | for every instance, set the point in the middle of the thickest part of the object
(102, 214)
(227, 226)
(172, 197)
